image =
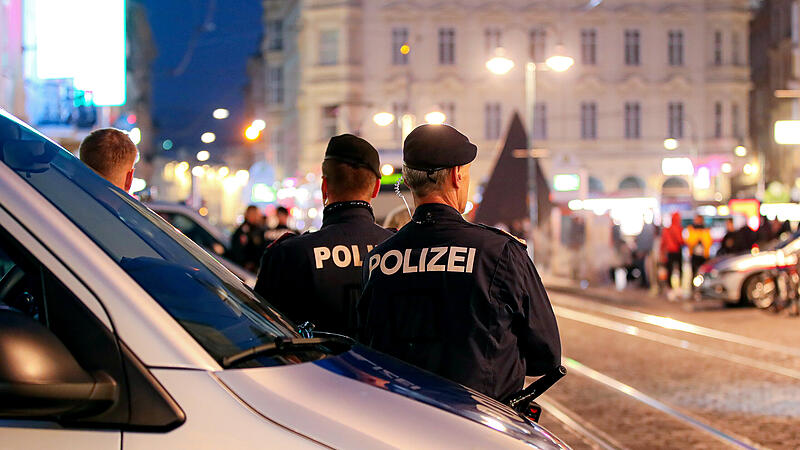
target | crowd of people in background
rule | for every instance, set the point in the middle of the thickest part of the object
(657, 255)
(256, 232)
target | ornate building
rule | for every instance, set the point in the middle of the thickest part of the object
(644, 71)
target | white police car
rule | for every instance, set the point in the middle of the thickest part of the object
(116, 331)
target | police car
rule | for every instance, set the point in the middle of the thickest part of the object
(116, 331)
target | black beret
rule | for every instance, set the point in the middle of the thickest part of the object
(432, 147)
(354, 151)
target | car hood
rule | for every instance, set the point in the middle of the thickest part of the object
(367, 398)
(768, 259)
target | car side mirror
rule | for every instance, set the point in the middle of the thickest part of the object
(39, 377)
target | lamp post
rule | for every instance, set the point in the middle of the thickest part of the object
(501, 65)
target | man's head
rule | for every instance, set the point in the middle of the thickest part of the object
(698, 220)
(112, 154)
(350, 170)
(436, 163)
(729, 225)
(282, 214)
(252, 215)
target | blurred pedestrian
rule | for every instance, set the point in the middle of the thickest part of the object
(458, 299)
(282, 227)
(765, 233)
(672, 245)
(622, 259)
(699, 242)
(247, 242)
(732, 241)
(316, 277)
(111, 154)
(644, 246)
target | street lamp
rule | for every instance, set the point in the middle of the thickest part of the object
(435, 117)
(740, 151)
(670, 143)
(383, 119)
(501, 65)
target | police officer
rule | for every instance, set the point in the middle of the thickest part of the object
(461, 300)
(316, 277)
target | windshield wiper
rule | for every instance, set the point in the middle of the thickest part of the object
(281, 344)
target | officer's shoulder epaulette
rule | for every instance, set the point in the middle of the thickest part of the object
(283, 238)
(504, 233)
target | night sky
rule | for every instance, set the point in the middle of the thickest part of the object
(190, 81)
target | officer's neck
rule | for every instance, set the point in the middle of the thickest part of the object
(449, 198)
(331, 199)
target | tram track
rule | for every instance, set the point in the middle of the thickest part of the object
(752, 363)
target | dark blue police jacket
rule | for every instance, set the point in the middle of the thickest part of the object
(461, 300)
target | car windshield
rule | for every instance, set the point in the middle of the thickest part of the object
(214, 306)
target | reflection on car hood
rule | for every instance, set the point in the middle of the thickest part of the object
(373, 402)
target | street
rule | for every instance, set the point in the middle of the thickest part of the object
(645, 375)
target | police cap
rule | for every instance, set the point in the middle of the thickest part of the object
(432, 147)
(354, 151)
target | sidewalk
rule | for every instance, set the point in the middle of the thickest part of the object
(629, 296)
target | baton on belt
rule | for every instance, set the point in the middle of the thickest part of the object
(522, 401)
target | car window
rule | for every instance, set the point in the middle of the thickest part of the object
(195, 232)
(214, 306)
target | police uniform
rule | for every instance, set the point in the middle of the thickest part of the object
(461, 300)
(316, 276)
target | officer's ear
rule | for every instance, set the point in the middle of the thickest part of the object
(324, 189)
(377, 188)
(457, 176)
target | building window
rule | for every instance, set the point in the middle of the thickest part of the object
(718, 120)
(329, 47)
(632, 44)
(447, 46)
(675, 48)
(735, 120)
(492, 118)
(718, 48)
(540, 121)
(633, 120)
(735, 50)
(536, 44)
(275, 85)
(275, 35)
(399, 110)
(493, 39)
(588, 120)
(589, 47)
(399, 39)
(330, 115)
(449, 110)
(675, 120)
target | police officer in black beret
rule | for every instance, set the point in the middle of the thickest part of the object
(316, 277)
(461, 300)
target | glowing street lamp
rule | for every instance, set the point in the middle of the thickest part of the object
(383, 119)
(435, 117)
(499, 65)
(740, 151)
(208, 137)
(259, 124)
(670, 143)
(203, 155)
(387, 170)
(251, 133)
(221, 113)
(559, 62)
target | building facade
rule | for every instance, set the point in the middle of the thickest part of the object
(775, 60)
(11, 84)
(644, 71)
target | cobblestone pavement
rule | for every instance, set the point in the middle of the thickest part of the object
(743, 383)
